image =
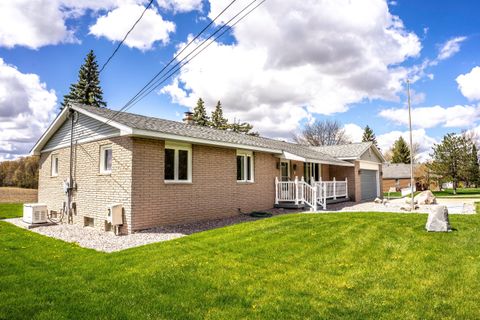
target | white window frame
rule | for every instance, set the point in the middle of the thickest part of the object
(54, 165)
(103, 148)
(177, 146)
(247, 155)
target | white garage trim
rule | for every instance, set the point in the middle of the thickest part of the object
(369, 165)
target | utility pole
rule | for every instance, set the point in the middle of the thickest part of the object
(411, 146)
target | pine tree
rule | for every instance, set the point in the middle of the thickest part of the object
(368, 135)
(242, 127)
(87, 90)
(473, 172)
(217, 119)
(200, 114)
(401, 151)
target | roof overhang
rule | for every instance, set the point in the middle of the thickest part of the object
(290, 156)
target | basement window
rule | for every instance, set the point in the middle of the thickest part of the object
(106, 159)
(244, 166)
(54, 171)
(178, 162)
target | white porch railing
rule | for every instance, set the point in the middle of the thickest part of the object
(300, 192)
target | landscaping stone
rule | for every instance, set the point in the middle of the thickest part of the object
(425, 197)
(438, 219)
(377, 200)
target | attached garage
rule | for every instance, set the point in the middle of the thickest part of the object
(369, 184)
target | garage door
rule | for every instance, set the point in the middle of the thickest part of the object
(369, 184)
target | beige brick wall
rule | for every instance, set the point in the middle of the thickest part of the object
(95, 191)
(213, 193)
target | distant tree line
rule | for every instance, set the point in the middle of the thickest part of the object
(22, 173)
(218, 121)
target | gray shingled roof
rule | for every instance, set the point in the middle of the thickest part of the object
(136, 121)
(396, 170)
(345, 151)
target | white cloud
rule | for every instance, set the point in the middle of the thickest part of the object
(458, 116)
(26, 109)
(181, 5)
(469, 84)
(115, 24)
(307, 58)
(425, 142)
(354, 131)
(450, 48)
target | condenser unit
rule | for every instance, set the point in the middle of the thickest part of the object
(115, 214)
(34, 213)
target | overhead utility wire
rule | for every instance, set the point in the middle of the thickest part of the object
(225, 26)
(166, 66)
(173, 71)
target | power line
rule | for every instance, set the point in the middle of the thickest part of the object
(166, 66)
(125, 37)
(172, 71)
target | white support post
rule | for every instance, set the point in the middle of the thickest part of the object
(276, 190)
(324, 202)
(314, 198)
(302, 187)
(346, 187)
(312, 181)
(296, 190)
(334, 189)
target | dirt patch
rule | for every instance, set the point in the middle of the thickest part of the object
(18, 195)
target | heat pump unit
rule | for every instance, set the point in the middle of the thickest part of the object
(35, 213)
(115, 214)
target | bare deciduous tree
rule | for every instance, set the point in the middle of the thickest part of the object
(322, 133)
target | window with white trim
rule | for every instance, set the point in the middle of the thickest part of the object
(178, 162)
(54, 171)
(245, 166)
(106, 159)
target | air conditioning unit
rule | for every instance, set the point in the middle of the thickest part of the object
(115, 214)
(34, 213)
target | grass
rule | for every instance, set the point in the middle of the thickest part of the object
(330, 266)
(447, 193)
(11, 210)
(15, 195)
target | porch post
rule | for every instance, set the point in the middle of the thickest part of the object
(346, 187)
(296, 190)
(334, 189)
(302, 185)
(276, 190)
(324, 187)
(315, 198)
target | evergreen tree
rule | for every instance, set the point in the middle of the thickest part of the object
(368, 135)
(450, 157)
(217, 119)
(401, 152)
(473, 172)
(200, 114)
(242, 127)
(87, 90)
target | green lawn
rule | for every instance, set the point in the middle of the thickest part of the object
(11, 210)
(343, 265)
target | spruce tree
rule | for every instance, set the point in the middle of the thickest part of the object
(473, 174)
(217, 119)
(87, 90)
(368, 135)
(401, 151)
(242, 127)
(200, 114)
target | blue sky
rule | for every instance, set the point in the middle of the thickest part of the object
(286, 64)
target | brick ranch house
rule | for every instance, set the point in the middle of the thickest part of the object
(165, 172)
(397, 175)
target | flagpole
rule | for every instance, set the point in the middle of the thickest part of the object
(411, 146)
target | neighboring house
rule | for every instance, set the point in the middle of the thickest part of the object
(165, 172)
(397, 175)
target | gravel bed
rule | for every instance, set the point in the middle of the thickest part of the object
(108, 242)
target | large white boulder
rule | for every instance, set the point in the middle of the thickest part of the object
(425, 197)
(438, 219)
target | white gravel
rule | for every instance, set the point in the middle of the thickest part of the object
(98, 240)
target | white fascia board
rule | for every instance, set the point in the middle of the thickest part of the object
(81, 141)
(291, 156)
(348, 158)
(175, 137)
(54, 126)
(341, 164)
(123, 128)
(369, 165)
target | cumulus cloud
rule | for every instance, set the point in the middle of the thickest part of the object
(450, 48)
(291, 59)
(181, 5)
(469, 84)
(354, 131)
(420, 137)
(458, 116)
(26, 109)
(115, 24)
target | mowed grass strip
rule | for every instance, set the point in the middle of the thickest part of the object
(331, 266)
(11, 210)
